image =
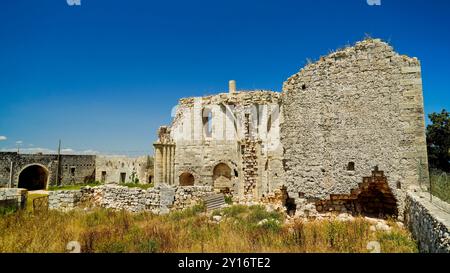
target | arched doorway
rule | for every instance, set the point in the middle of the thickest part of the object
(222, 177)
(186, 179)
(33, 177)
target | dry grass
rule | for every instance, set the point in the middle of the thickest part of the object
(189, 231)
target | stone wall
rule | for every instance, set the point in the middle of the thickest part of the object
(429, 222)
(13, 197)
(160, 199)
(112, 169)
(190, 196)
(353, 110)
(236, 129)
(74, 169)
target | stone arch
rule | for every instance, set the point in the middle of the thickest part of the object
(222, 174)
(186, 179)
(373, 197)
(33, 177)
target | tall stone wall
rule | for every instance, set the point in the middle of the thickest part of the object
(354, 109)
(429, 222)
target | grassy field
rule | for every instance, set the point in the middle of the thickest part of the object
(240, 230)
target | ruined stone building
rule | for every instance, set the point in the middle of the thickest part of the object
(121, 169)
(229, 141)
(39, 171)
(347, 133)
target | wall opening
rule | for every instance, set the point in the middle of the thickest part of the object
(373, 197)
(103, 179)
(33, 178)
(123, 177)
(187, 179)
(222, 177)
(207, 122)
(351, 166)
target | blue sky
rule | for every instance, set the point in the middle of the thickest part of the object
(104, 75)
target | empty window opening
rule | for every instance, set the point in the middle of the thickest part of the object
(103, 179)
(304, 87)
(269, 124)
(399, 185)
(351, 166)
(123, 177)
(236, 173)
(72, 171)
(207, 122)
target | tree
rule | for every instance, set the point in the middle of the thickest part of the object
(438, 141)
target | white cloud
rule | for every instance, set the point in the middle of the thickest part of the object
(3, 138)
(19, 142)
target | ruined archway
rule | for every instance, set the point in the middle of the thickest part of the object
(373, 197)
(187, 179)
(222, 177)
(376, 199)
(33, 177)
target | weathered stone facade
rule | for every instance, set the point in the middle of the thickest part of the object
(38, 171)
(229, 141)
(346, 130)
(353, 110)
(121, 169)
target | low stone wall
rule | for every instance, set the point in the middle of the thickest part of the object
(68, 199)
(160, 199)
(13, 197)
(190, 195)
(429, 222)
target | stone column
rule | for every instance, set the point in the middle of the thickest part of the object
(164, 162)
(169, 164)
(157, 168)
(173, 164)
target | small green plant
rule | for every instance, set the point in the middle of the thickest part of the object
(74, 187)
(228, 200)
(136, 185)
(7, 210)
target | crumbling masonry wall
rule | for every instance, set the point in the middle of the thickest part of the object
(238, 129)
(354, 109)
(160, 199)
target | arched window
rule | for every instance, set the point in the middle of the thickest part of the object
(207, 122)
(186, 179)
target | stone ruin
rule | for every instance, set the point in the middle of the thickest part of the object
(346, 134)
